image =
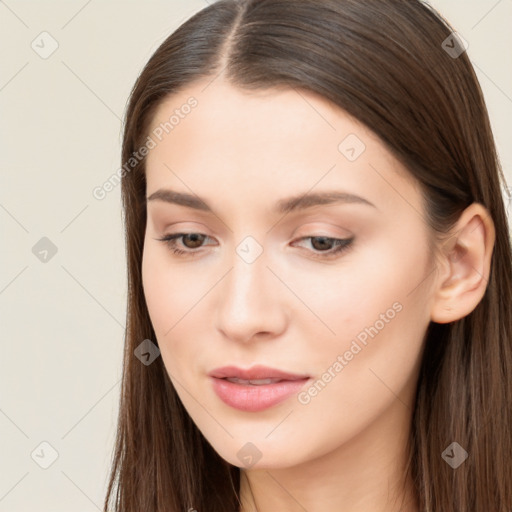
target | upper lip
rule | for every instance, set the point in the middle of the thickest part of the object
(254, 373)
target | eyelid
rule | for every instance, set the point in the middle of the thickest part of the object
(340, 246)
(319, 229)
(313, 228)
(310, 233)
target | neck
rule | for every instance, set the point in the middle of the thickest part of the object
(366, 473)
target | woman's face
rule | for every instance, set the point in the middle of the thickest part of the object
(259, 281)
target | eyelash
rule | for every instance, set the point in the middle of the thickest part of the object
(341, 245)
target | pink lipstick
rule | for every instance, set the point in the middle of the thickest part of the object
(256, 388)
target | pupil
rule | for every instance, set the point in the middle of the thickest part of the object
(195, 238)
(324, 244)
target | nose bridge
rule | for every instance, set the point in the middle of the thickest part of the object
(247, 280)
(248, 300)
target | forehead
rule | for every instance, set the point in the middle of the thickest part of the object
(275, 116)
(279, 140)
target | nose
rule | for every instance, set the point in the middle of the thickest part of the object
(250, 302)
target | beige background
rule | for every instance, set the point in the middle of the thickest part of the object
(62, 320)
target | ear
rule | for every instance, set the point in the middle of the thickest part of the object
(464, 266)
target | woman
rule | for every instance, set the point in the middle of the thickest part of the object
(319, 268)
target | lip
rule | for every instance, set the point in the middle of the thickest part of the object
(254, 398)
(254, 373)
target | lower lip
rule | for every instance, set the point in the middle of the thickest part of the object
(246, 397)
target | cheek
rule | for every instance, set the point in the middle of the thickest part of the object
(176, 295)
(157, 292)
(349, 296)
(169, 298)
(169, 293)
(383, 317)
(373, 312)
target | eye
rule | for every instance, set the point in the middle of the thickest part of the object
(195, 240)
(327, 247)
(323, 246)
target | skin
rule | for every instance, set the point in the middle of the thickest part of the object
(241, 152)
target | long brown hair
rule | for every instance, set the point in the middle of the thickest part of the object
(390, 64)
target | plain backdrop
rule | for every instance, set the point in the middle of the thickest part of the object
(62, 272)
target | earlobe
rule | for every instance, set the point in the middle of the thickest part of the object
(466, 260)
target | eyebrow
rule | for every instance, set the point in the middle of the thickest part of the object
(283, 206)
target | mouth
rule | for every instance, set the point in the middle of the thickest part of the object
(253, 382)
(257, 388)
(255, 374)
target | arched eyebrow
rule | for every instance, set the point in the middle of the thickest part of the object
(283, 206)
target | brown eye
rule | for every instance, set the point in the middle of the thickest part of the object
(184, 244)
(322, 243)
(196, 240)
(327, 247)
